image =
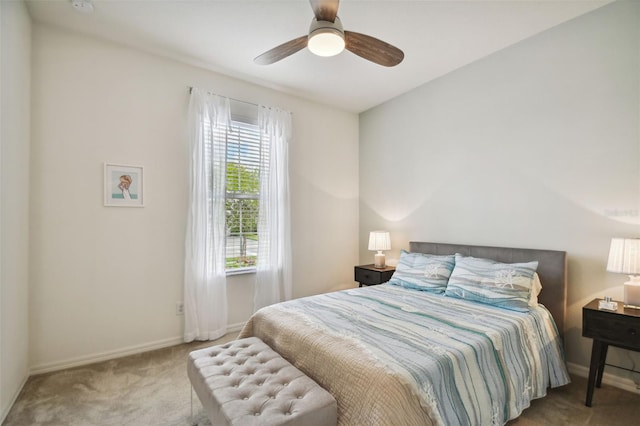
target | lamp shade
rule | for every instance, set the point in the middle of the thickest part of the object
(379, 240)
(624, 256)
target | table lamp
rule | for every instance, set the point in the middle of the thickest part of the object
(624, 258)
(379, 240)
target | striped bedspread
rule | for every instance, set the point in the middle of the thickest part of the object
(434, 359)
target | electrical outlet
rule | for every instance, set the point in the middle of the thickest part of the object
(179, 308)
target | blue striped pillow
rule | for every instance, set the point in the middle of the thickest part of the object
(507, 285)
(421, 271)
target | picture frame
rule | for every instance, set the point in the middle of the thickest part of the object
(123, 185)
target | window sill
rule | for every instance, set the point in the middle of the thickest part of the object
(241, 271)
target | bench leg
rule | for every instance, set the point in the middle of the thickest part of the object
(191, 422)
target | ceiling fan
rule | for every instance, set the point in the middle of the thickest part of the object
(328, 38)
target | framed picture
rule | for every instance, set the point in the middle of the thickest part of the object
(123, 185)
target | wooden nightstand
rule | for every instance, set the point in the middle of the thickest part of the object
(370, 275)
(620, 328)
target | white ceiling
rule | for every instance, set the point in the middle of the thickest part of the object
(225, 35)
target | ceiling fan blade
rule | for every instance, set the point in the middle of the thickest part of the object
(325, 10)
(282, 51)
(372, 49)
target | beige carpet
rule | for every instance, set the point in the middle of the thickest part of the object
(153, 389)
(145, 389)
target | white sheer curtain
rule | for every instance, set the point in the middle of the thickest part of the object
(205, 282)
(273, 269)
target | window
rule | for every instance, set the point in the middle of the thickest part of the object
(242, 194)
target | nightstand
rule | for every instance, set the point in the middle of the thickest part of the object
(370, 275)
(620, 328)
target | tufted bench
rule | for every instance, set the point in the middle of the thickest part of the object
(245, 382)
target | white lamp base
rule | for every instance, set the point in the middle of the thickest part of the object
(632, 292)
(379, 260)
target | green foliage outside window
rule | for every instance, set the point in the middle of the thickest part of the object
(243, 187)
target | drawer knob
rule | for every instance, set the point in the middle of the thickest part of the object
(632, 331)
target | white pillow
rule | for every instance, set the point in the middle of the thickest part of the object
(535, 290)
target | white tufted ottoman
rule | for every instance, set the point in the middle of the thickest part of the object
(245, 382)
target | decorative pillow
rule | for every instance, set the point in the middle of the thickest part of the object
(507, 285)
(535, 291)
(421, 271)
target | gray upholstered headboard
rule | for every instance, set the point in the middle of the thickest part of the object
(552, 269)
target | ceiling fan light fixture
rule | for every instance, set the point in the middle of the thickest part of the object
(326, 42)
(326, 38)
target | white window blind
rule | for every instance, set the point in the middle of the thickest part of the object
(243, 194)
(243, 151)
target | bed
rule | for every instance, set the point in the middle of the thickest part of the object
(392, 355)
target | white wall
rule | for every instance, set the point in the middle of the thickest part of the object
(535, 146)
(105, 280)
(15, 37)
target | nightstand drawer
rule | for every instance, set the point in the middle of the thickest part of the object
(611, 328)
(368, 275)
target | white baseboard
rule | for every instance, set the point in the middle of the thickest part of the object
(104, 356)
(608, 379)
(117, 353)
(5, 411)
